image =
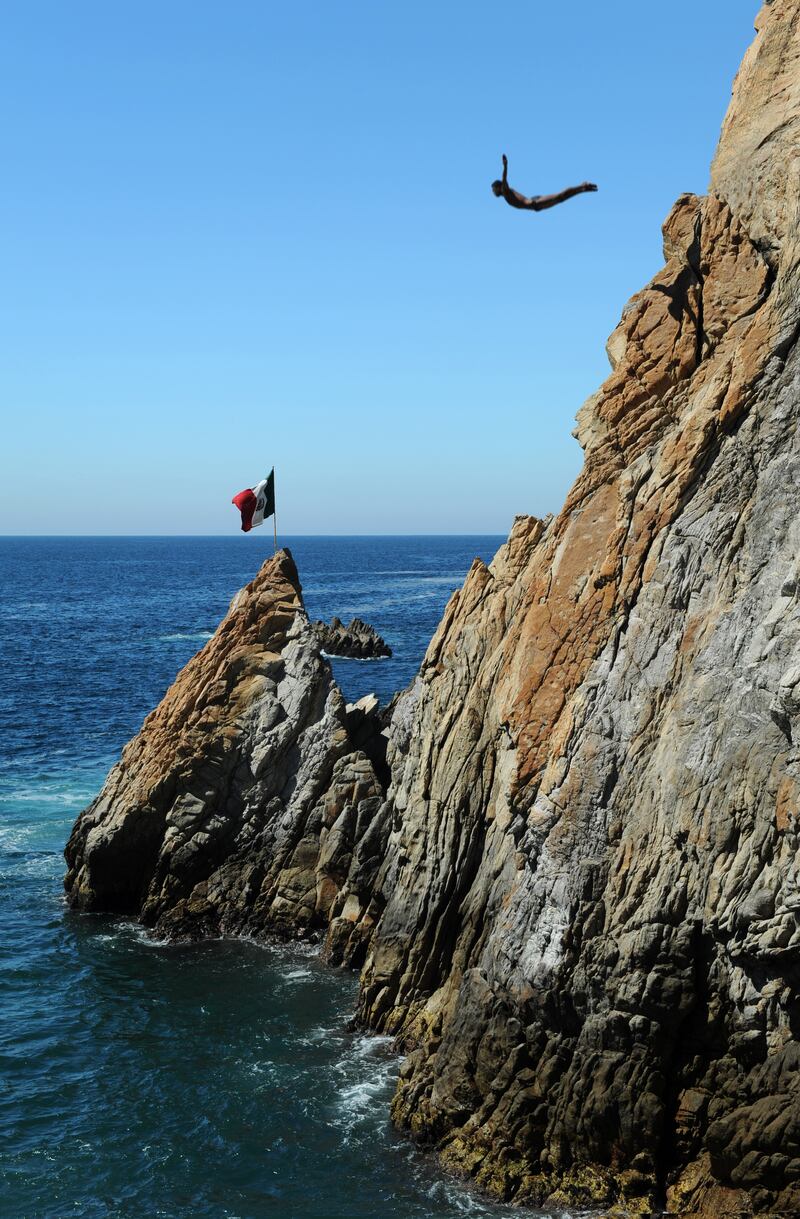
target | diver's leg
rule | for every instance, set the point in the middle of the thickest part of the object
(541, 202)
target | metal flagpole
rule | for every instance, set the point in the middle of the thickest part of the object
(274, 513)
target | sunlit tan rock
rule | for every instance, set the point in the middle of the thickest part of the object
(240, 805)
(591, 937)
(580, 902)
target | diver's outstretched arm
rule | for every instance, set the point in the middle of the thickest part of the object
(540, 202)
(511, 196)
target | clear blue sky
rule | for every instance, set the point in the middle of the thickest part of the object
(244, 234)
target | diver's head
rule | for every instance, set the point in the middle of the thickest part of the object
(497, 187)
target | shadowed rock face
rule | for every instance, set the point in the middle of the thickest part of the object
(580, 903)
(357, 640)
(242, 806)
(591, 940)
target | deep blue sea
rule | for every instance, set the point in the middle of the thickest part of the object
(139, 1079)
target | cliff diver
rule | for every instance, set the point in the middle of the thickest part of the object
(537, 203)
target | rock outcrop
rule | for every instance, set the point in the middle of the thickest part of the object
(356, 641)
(591, 936)
(243, 805)
(580, 901)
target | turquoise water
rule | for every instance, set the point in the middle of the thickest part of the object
(140, 1079)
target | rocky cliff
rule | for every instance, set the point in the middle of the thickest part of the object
(591, 937)
(244, 805)
(580, 902)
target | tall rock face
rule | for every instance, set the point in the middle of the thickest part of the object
(242, 806)
(580, 902)
(591, 936)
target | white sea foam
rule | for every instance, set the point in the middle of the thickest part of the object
(41, 795)
(458, 576)
(359, 659)
(39, 864)
(453, 581)
(33, 841)
(358, 1099)
(127, 929)
(369, 1068)
(16, 838)
(282, 951)
(192, 636)
(319, 1035)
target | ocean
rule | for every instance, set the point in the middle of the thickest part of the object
(140, 1079)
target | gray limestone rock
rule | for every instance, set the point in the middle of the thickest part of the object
(239, 807)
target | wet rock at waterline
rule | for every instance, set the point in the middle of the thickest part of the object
(241, 805)
(578, 904)
(356, 641)
(591, 938)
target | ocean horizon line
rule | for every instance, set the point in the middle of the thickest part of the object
(53, 537)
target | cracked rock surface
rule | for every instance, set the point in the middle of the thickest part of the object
(578, 905)
(591, 936)
(243, 805)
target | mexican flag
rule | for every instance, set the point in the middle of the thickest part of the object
(257, 503)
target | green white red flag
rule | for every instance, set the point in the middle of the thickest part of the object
(257, 503)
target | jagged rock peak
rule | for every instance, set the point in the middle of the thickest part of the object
(240, 806)
(591, 937)
(580, 902)
(756, 169)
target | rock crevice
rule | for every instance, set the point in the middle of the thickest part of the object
(244, 805)
(569, 862)
(591, 946)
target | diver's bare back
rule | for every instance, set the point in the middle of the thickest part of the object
(536, 203)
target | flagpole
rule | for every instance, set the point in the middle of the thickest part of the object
(274, 513)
